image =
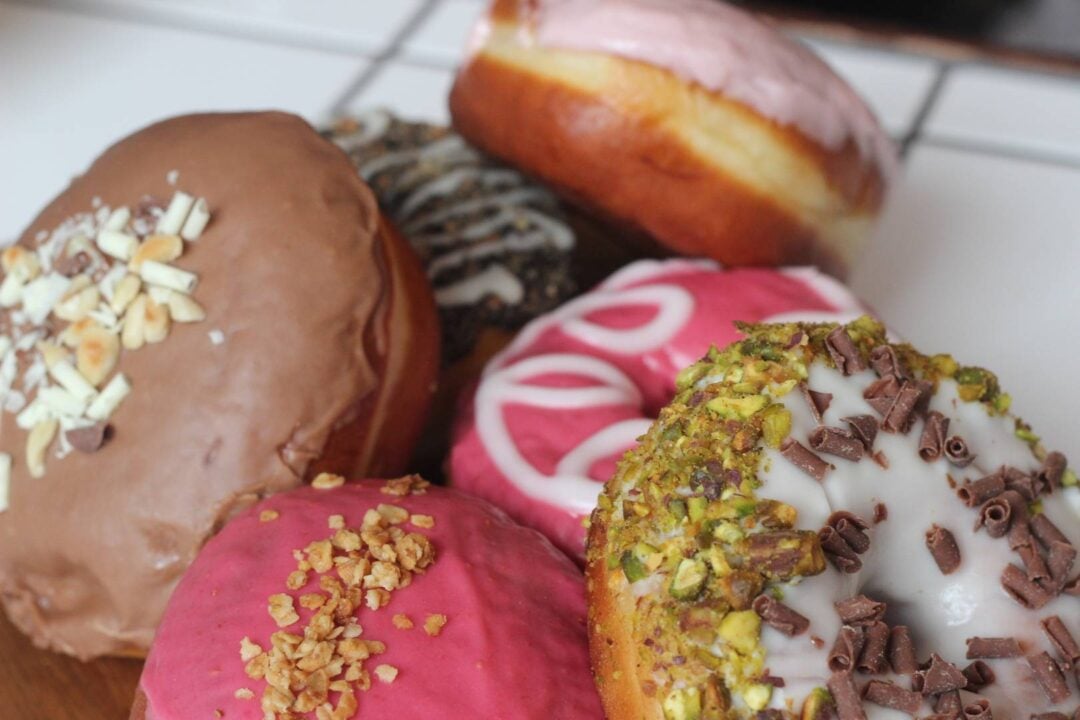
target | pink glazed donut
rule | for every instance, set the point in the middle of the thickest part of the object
(456, 612)
(555, 410)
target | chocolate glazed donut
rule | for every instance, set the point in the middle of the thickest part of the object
(318, 352)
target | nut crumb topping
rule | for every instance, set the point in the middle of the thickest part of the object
(404, 486)
(268, 515)
(74, 300)
(327, 481)
(422, 521)
(354, 568)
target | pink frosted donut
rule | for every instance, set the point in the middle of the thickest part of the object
(489, 622)
(557, 408)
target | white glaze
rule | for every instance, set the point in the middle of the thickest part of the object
(942, 611)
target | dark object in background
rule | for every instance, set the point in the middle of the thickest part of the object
(1045, 27)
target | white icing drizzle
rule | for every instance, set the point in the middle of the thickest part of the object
(504, 381)
(495, 280)
(507, 218)
(942, 611)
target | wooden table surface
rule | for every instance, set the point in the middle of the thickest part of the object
(40, 685)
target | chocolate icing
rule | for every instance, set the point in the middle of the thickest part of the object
(298, 275)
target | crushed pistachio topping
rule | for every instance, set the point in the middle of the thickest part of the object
(354, 568)
(74, 300)
(688, 530)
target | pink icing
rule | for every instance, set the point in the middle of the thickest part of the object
(726, 50)
(554, 412)
(514, 646)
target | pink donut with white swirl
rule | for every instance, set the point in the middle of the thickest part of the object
(555, 410)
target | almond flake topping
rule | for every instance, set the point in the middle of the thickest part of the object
(316, 661)
(75, 300)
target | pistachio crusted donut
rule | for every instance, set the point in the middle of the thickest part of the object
(823, 523)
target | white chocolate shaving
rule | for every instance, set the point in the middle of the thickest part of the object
(184, 309)
(174, 217)
(168, 276)
(61, 402)
(118, 219)
(117, 244)
(72, 380)
(34, 413)
(216, 336)
(196, 221)
(11, 290)
(5, 481)
(110, 398)
(40, 296)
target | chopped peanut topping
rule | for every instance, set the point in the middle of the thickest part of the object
(327, 481)
(268, 515)
(423, 521)
(357, 569)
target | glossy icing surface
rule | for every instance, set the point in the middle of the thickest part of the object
(941, 610)
(513, 647)
(723, 49)
(555, 411)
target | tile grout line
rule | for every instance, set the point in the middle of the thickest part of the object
(1003, 152)
(379, 61)
(925, 109)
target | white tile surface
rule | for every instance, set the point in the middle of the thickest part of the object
(894, 85)
(365, 26)
(73, 84)
(415, 93)
(444, 33)
(1009, 109)
(977, 256)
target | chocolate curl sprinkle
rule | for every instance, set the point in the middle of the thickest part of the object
(902, 651)
(884, 361)
(948, 704)
(1021, 482)
(976, 493)
(992, 648)
(892, 696)
(1049, 676)
(847, 648)
(834, 441)
(932, 440)
(940, 677)
(999, 513)
(978, 710)
(881, 393)
(1033, 563)
(1060, 562)
(881, 513)
(1022, 589)
(802, 458)
(860, 610)
(863, 427)
(978, 675)
(1072, 587)
(1061, 638)
(852, 529)
(901, 414)
(872, 659)
(838, 552)
(1053, 468)
(846, 696)
(779, 616)
(818, 401)
(843, 352)
(943, 549)
(957, 452)
(1046, 531)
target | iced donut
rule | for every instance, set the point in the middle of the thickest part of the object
(495, 244)
(824, 524)
(378, 599)
(212, 313)
(689, 119)
(554, 411)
